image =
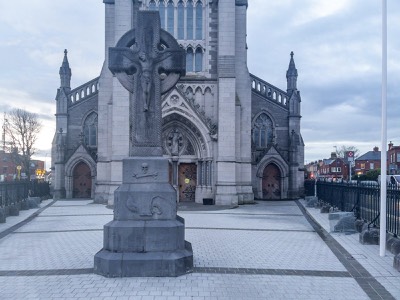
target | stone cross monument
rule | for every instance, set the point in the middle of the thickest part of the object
(148, 62)
(146, 237)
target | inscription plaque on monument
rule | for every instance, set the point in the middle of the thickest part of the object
(146, 237)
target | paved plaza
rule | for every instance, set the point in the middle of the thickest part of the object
(269, 250)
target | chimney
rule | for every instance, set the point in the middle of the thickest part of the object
(333, 155)
(376, 149)
(390, 145)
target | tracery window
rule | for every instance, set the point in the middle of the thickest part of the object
(262, 131)
(181, 23)
(170, 17)
(189, 20)
(199, 20)
(90, 130)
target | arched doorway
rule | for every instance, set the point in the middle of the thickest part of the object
(271, 182)
(187, 180)
(82, 181)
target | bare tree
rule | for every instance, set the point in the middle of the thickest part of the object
(341, 151)
(22, 128)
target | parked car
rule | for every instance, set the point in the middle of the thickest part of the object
(393, 180)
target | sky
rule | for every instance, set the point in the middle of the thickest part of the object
(337, 49)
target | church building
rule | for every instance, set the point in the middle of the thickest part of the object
(229, 135)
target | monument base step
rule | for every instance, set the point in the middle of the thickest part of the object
(147, 264)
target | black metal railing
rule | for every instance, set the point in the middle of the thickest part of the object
(12, 193)
(362, 198)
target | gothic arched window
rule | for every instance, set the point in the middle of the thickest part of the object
(162, 14)
(189, 60)
(152, 5)
(170, 17)
(199, 20)
(90, 130)
(189, 20)
(262, 131)
(198, 60)
(181, 18)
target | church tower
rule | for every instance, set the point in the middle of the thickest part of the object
(206, 118)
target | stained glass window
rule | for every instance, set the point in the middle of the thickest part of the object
(90, 130)
(189, 60)
(162, 14)
(199, 21)
(170, 17)
(199, 60)
(262, 131)
(181, 16)
(189, 20)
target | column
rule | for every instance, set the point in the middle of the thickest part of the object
(226, 190)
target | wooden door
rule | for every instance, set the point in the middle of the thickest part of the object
(82, 184)
(187, 180)
(271, 182)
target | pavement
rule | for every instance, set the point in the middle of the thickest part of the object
(268, 250)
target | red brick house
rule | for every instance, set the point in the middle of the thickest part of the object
(368, 161)
(393, 158)
(8, 169)
(333, 169)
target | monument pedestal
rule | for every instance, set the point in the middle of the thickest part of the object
(146, 237)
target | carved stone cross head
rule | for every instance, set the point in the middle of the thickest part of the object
(145, 53)
(148, 62)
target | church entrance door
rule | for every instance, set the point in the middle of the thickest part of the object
(187, 180)
(82, 181)
(271, 182)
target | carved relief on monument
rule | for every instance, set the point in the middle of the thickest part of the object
(157, 208)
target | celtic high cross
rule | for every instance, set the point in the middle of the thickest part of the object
(148, 62)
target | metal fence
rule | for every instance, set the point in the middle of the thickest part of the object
(361, 198)
(12, 193)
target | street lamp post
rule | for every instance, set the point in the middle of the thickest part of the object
(336, 167)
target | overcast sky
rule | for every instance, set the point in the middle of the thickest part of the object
(337, 46)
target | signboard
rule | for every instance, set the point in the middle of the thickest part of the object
(350, 155)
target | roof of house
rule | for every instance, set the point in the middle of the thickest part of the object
(370, 155)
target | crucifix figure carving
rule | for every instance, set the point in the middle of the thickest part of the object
(147, 62)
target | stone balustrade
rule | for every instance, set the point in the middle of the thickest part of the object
(268, 91)
(86, 90)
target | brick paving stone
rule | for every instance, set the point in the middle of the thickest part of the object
(263, 251)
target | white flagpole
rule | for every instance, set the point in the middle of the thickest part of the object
(382, 232)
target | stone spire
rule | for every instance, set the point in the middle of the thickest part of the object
(291, 76)
(65, 72)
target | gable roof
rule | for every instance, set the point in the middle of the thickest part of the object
(370, 155)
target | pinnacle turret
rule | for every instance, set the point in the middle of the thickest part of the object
(65, 72)
(291, 75)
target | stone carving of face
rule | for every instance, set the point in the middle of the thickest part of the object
(145, 168)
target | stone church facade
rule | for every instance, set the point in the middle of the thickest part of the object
(229, 135)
